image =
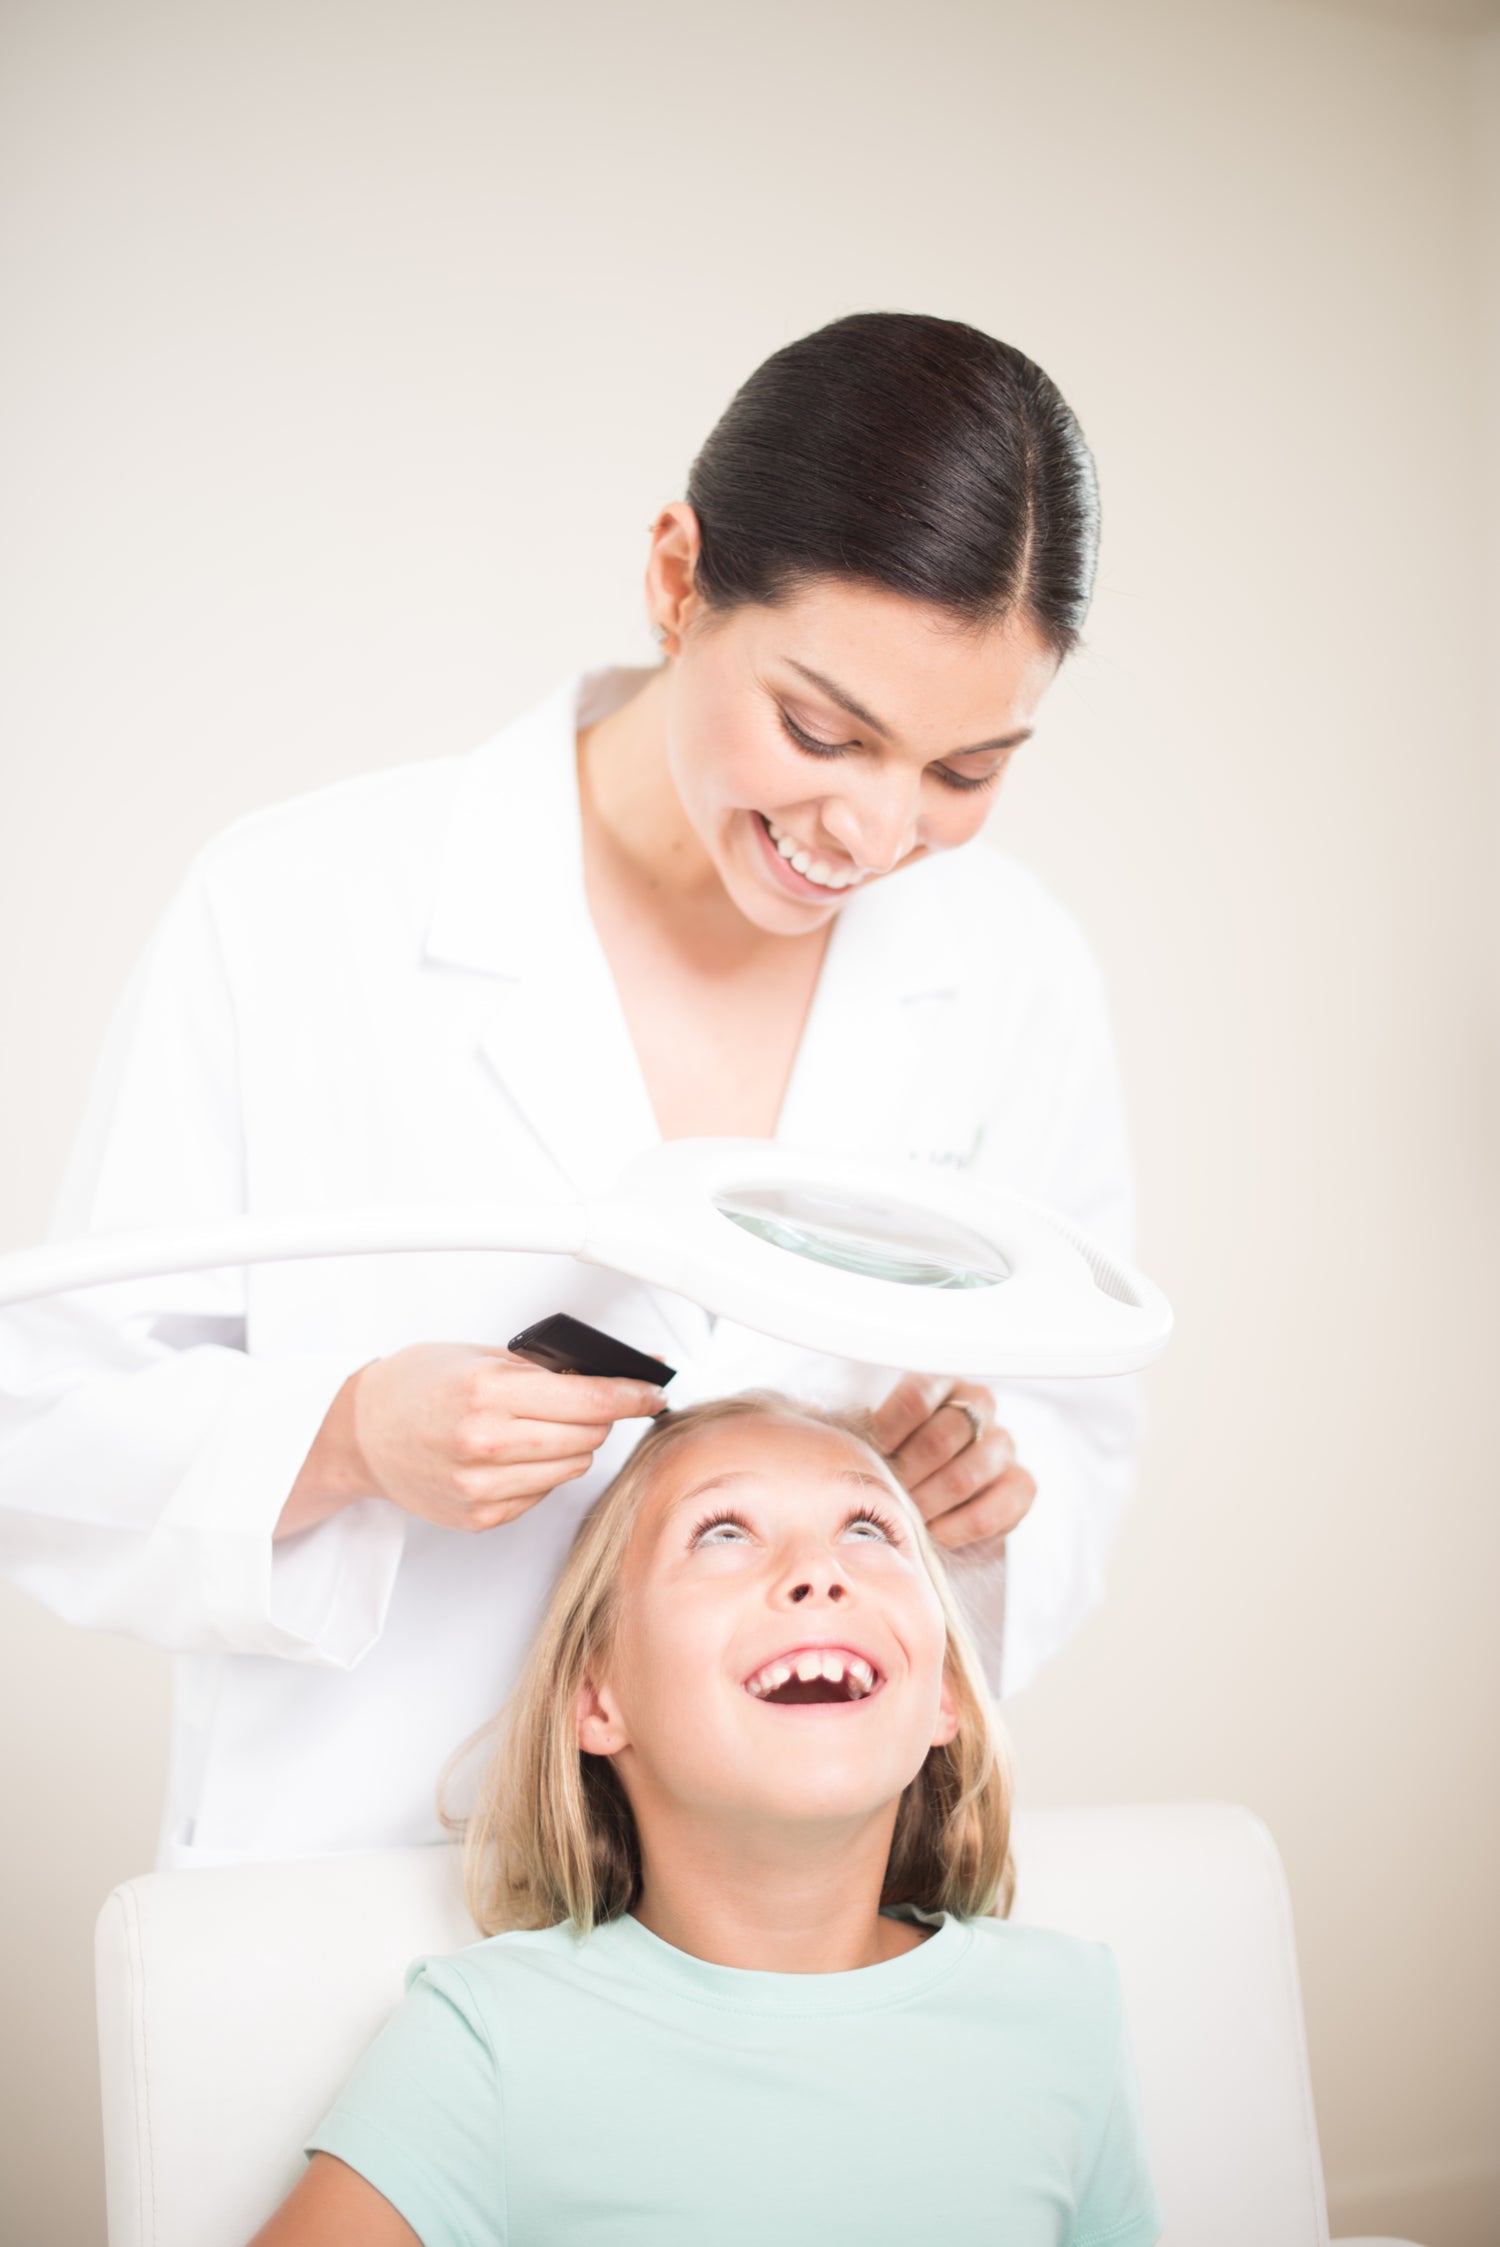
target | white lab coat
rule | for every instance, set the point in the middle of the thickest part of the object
(392, 990)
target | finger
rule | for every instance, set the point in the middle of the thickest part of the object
(488, 1495)
(914, 1399)
(503, 1441)
(988, 1516)
(948, 1435)
(531, 1390)
(961, 1477)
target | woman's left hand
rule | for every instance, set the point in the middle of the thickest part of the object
(964, 1479)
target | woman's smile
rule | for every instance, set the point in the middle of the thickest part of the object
(815, 876)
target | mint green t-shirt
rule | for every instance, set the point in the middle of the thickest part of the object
(538, 2090)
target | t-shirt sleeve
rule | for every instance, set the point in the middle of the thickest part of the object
(1118, 2206)
(421, 2117)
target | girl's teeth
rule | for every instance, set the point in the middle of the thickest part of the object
(810, 1665)
(785, 845)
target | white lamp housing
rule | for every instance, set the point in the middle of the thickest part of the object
(884, 1262)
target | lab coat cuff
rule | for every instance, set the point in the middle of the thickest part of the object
(1079, 1440)
(1054, 1569)
(320, 1595)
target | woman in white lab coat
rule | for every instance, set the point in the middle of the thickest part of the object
(737, 894)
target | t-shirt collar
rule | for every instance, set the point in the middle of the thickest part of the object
(624, 1942)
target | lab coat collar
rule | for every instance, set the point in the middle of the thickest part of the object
(888, 1064)
(512, 861)
(511, 905)
(511, 867)
(885, 1060)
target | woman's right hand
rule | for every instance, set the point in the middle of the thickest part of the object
(459, 1435)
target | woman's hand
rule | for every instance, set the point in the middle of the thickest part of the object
(462, 1436)
(964, 1479)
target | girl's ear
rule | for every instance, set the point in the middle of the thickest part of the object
(947, 1723)
(600, 1731)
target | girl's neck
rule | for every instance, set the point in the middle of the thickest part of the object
(809, 1905)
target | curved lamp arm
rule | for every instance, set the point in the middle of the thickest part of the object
(874, 1260)
(545, 1228)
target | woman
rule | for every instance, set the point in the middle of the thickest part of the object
(727, 895)
(752, 1815)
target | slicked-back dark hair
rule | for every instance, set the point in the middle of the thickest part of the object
(916, 454)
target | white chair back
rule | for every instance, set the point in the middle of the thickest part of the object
(234, 2002)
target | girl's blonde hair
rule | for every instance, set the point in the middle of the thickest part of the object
(552, 1836)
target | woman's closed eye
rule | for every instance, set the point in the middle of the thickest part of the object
(810, 742)
(812, 746)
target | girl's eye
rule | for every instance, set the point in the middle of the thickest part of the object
(808, 741)
(720, 1529)
(870, 1529)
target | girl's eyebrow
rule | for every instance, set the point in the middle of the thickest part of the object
(865, 717)
(716, 1482)
(860, 1475)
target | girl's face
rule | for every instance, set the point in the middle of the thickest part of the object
(780, 1650)
(838, 737)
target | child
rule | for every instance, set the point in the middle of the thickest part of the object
(746, 1830)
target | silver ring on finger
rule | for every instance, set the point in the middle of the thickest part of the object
(973, 1415)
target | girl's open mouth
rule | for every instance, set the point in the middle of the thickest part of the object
(811, 1674)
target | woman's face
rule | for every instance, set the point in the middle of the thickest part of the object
(840, 736)
(780, 1651)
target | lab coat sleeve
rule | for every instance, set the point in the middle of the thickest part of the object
(145, 1457)
(1078, 1438)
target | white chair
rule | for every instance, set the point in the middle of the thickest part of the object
(233, 2003)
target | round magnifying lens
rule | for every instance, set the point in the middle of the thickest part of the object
(879, 1239)
(912, 1261)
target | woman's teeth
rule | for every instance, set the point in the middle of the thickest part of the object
(851, 1671)
(812, 869)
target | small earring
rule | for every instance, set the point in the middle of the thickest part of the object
(659, 634)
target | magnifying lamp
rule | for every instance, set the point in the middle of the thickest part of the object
(884, 1262)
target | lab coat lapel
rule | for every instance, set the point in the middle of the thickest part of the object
(885, 1062)
(885, 1067)
(888, 1067)
(550, 1034)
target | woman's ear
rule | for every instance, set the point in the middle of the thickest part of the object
(947, 1723)
(671, 598)
(600, 1731)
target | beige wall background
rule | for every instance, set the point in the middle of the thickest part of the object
(350, 350)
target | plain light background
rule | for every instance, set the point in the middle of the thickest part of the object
(349, 352)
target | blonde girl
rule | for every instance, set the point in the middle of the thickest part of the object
(738, 1860)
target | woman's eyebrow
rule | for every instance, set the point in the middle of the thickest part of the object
(857, 710)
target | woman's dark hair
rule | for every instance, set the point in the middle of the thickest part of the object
(905, 452)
